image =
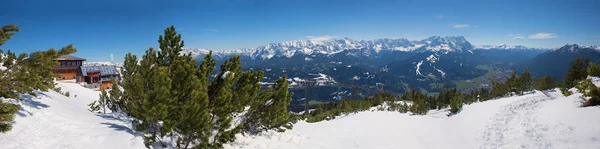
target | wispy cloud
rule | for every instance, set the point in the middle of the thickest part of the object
(320, 38)
(439, 16)
(460, 26)
(542, 36)
(210, 30)
(181, 29)
(516, 36)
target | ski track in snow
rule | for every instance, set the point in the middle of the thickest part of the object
(516, 126)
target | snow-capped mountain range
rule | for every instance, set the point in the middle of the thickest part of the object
(575, 47)
(308, 47)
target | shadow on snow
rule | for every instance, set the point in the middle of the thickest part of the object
(32, 102)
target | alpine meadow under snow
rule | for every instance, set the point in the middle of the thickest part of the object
(534, 120)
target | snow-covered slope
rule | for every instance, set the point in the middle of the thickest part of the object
(535, 120)
(54, 121)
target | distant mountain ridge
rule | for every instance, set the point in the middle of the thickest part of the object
(556, 62)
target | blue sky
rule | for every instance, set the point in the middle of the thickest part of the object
(101, 28)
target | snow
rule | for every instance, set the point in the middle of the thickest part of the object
(323, 80)
(56, 121)
(535, 120)
(431, 58)
(297, 79)
(441, 72)
(227, 74)
(1, 64)
(269, 102)
(439, 48)
(419, 67)
(409, 48)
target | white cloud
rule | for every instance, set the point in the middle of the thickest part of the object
(439, 16)
(460, 26)
(112, 57)
(517, 36)
(320, 38)
(210, 30)
(542, 36)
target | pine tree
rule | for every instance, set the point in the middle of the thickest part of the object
(133, 87)
(115, 93)
(102, 103)
(544, 83)
(147, 96)
(589, 89)
(577, 72)
(593, 70)
(7, 113)
(159, 100)
(456, 103)
(24, 74)
(499, 89)
(220, 99)
(484, 95)
(246, 89)
(419, 106)
(565, 91)
(193, 119)
(167, 93)
(277, 114)
(513, 82)
(525, 81)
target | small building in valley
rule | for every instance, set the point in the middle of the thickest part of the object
(68, 67)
